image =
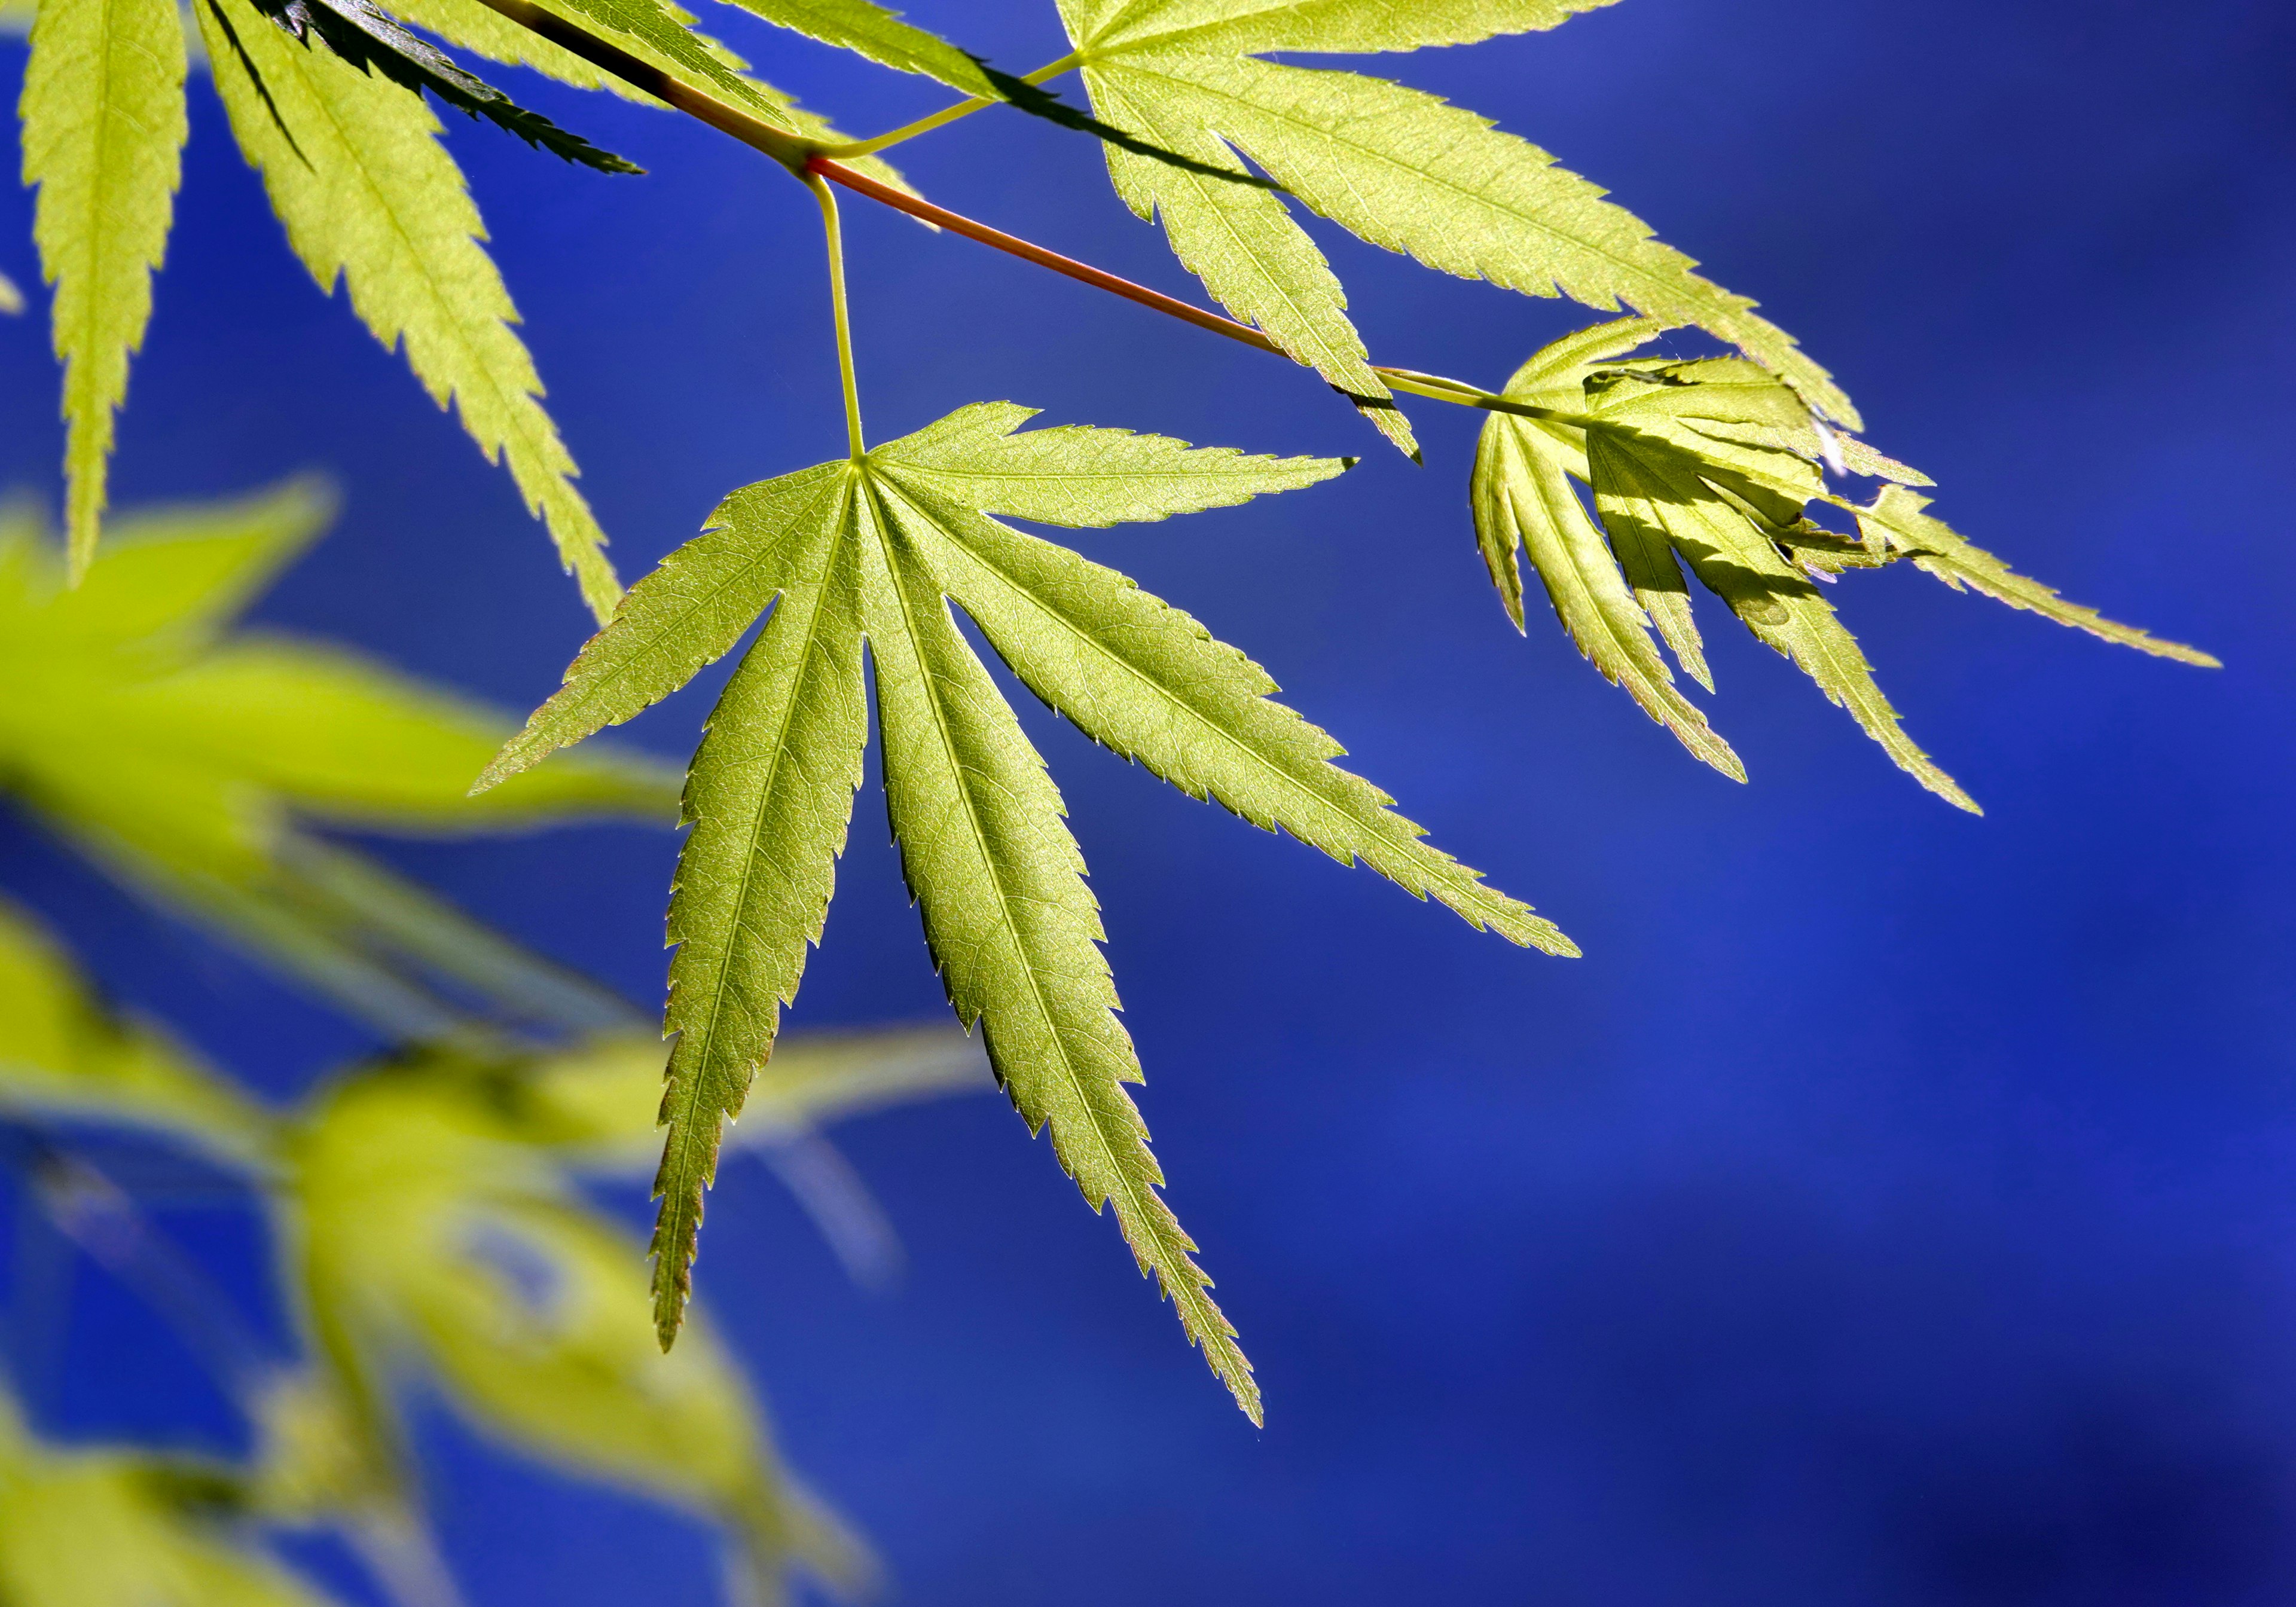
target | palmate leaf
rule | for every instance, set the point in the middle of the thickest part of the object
(875, 549)
(1397, 166)
(354, 169)
(187, 756)
(103, 130)
(1898, 520)
(1524, 499)
(1713, 464)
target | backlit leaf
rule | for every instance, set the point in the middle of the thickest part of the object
(1715, 464)
(879, 35)
(1014, 933)
(187, 756)
(355, 170)
(1898, 519)
(103, 130)
(1397, 166)
(110, 1528)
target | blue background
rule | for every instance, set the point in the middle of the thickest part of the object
(1893, 1207)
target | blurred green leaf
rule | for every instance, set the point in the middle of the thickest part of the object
(60, 1053)
(105, 1528)
(185, 754)
(599, 1101)
(431, 1241)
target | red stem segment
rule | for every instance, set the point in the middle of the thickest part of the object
(1083, 273)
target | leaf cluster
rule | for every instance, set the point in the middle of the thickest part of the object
(1622, 477)
(430, 1209)
(1714, 466)
(433, 1232)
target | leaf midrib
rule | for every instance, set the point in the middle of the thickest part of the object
(750, 859)
(1070, 1069)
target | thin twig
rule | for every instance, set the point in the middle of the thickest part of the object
(942, 119)
(810, 159)
(957, 223)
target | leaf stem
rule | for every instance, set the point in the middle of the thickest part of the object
(938, 119)
(1436, 387)
(835, 235)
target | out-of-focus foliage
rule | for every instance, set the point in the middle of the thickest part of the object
(191, 754)
(61, 1054)
(433, 1234)
(115, 1529)
(431, 1209)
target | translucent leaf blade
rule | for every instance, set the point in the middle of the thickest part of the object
(1145, 680)
(879, 35)
(1639, 484)
(104, 129)
(1523, 500)
(353, 167)
(1404, 170)
(1320, 25)
(1013, 930)
(687, 612)
(1238, 239)
(770, 794)
(1899, 520)
(1084, 477)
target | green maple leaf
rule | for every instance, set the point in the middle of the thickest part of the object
(1714, 464)
(188, 755)
(856, 25)
(875, 549)
(1897, 520)
(103, 130)
(355, 170)
(1399, 168)
(879, 35)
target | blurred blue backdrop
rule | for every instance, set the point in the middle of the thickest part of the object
(1893, 1207)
